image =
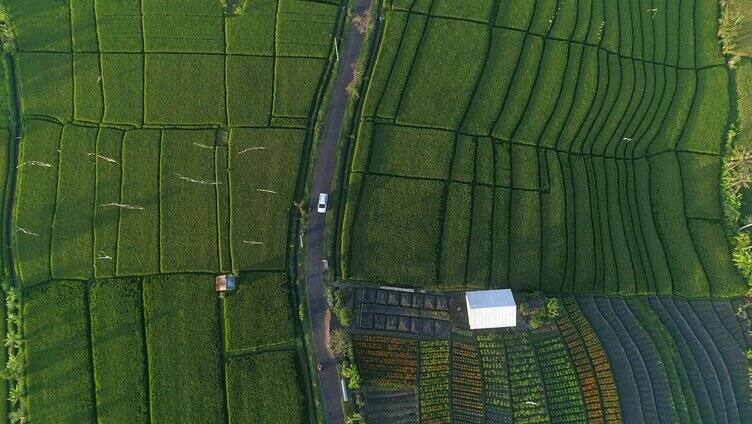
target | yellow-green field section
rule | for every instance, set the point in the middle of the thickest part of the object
(159, 144)
(162, 138)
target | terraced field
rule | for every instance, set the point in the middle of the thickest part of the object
(570, 146)
(152, 145)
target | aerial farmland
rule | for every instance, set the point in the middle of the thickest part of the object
(376, 211)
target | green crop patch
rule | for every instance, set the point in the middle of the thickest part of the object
(707, 120)
(107, 199)
(397, 235)
(183, 347)
(456, 233)
(295, 84)
(83, 26)
(250, 84)
(123, 86)
(88, 96)
(264, 387)
(253, 31)
(41, 26)
(441, 79)
(744, 104)
(119, 350)
(184, 89)
(119, 26)
(188, 234)
(45, 82)
(168, 31)
(59, 374)
(393, 148)
(263, 171)
(304, 29)
(37, 196)
(265, 298)
(138, 225)
(72, 226)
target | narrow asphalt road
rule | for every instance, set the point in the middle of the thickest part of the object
(329, 384)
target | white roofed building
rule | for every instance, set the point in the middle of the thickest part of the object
(491, 309)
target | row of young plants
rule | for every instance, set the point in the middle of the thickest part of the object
(563, 390)
(591, 347)
(466, 380)
(434, 382)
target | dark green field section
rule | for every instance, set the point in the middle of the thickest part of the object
(674, 360)
(163, 138)
(151, 350)
(561, 146)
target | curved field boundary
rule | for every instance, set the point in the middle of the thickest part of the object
(682, 311)
(605, 382)
(730, 355)
(630, 381)
(690, 350)
(686, 399)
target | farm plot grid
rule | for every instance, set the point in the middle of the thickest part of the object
(556, 373)
(565, 146)
(161, 138)
(161, 144)
(161, 349)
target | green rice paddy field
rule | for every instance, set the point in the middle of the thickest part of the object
(569, 146)
(151, 145)
(562, 146)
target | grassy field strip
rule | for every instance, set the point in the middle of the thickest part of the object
(119, 351)
(563, 394)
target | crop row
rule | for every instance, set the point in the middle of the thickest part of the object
(290, 28)
(604, 377)
(434, 381)
(563, 391)
(495, 379)
(528, 396)
(386, 362)
(466, 383)
(390, 406)
(117, 90)
(115, 203)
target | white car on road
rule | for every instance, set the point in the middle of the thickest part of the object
(323, 197)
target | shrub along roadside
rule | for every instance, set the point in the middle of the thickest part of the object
(736, 178)
(15, 366)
